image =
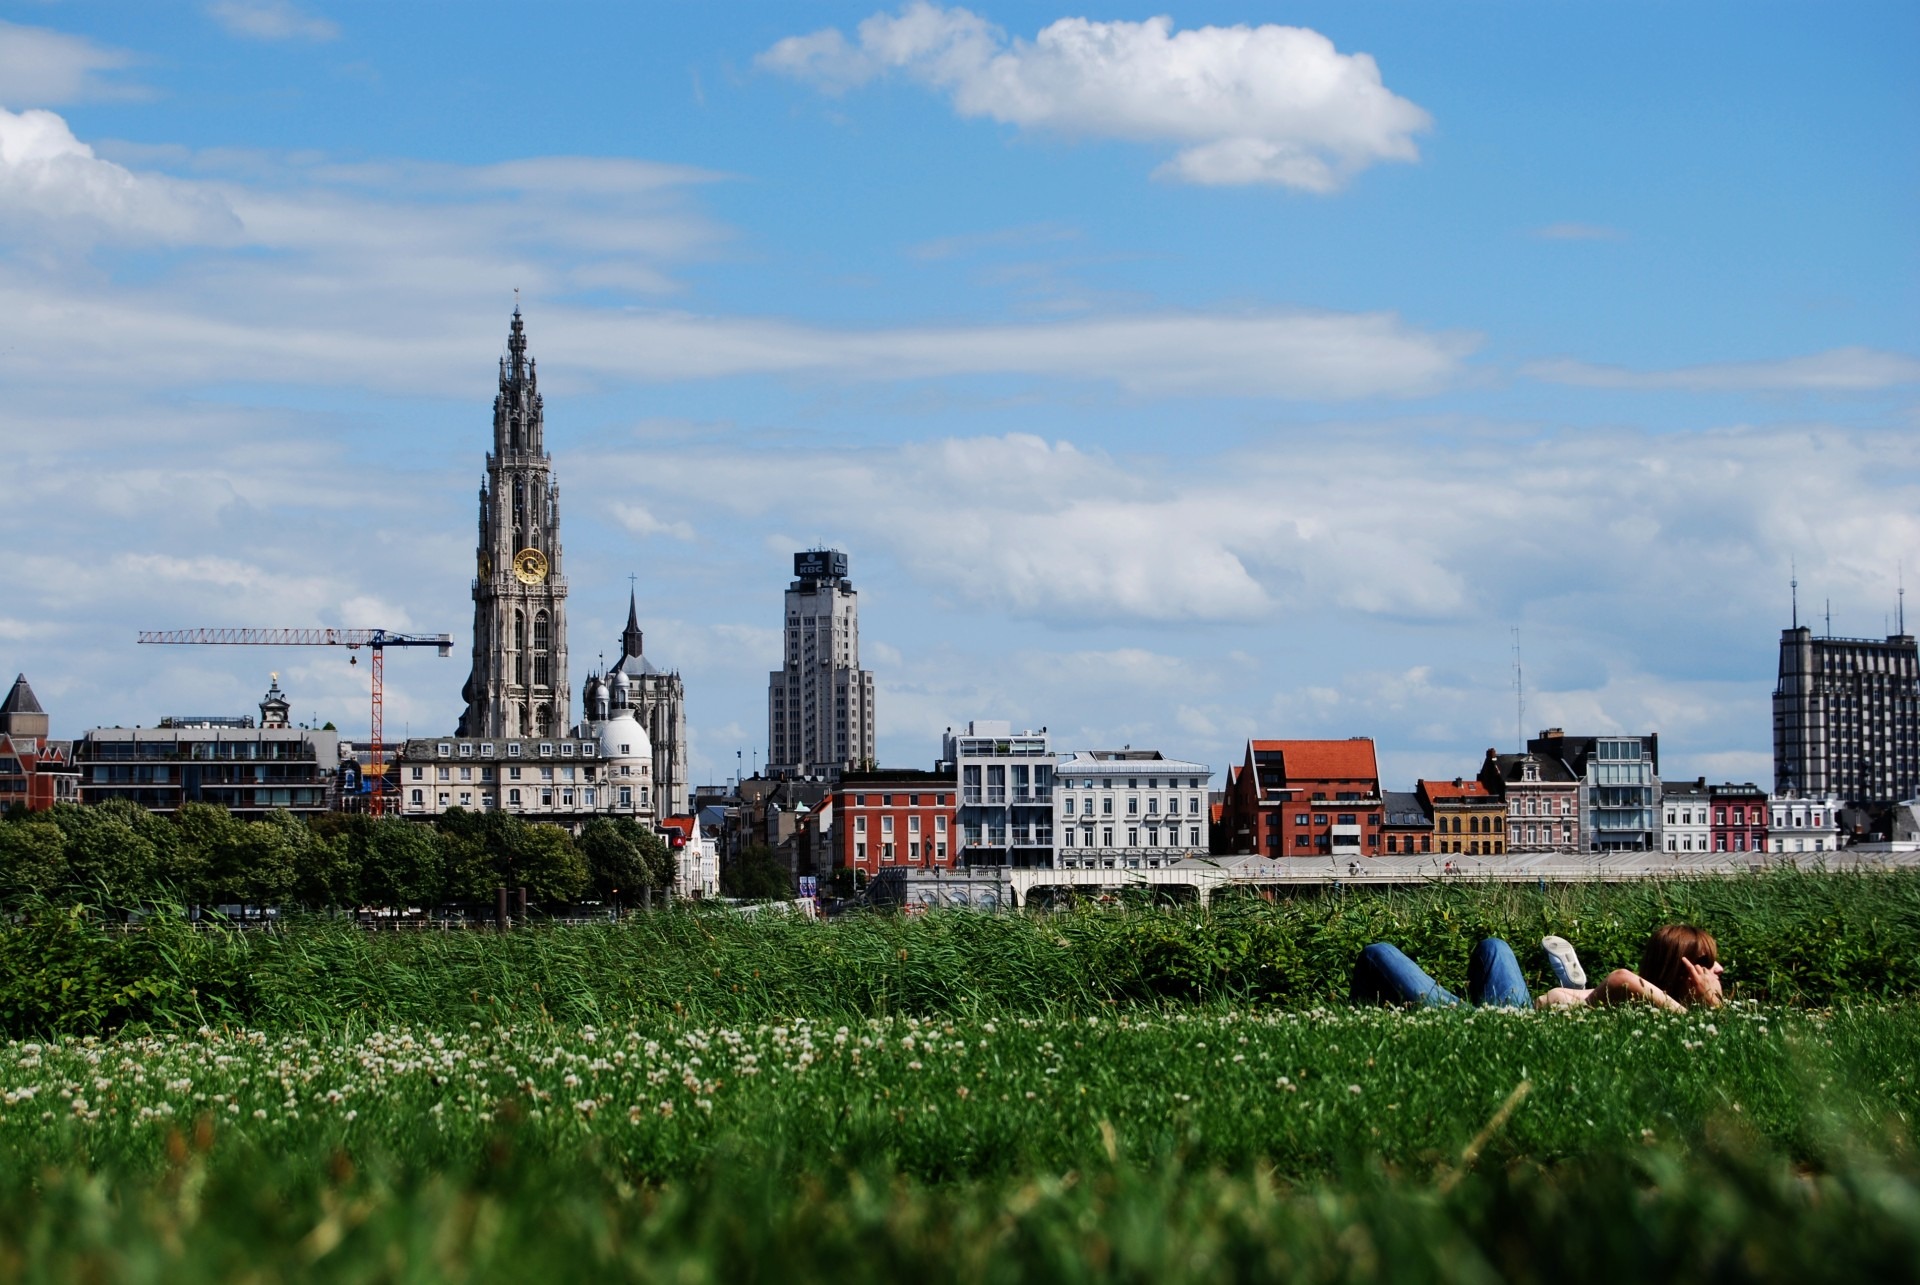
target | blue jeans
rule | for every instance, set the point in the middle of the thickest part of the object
(1384, 975)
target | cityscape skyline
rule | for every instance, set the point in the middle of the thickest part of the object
(1099, 471)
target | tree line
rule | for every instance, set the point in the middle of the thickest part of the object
(116, 854)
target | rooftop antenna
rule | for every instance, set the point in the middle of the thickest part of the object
(1796, 594)
(1902, 618)
(1519, 696)
(1829, 617)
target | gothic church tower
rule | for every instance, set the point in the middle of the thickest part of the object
(518, 686)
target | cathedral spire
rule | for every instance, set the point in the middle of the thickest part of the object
(631, 638)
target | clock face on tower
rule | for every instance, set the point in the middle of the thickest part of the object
(530, 565)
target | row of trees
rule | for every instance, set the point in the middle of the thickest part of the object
(117, 854)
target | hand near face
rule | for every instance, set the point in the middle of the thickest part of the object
(1706, 982)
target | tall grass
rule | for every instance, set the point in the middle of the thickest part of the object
(1788, 937)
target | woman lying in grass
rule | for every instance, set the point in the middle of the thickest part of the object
(1678, 968)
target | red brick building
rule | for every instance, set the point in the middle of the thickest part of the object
(894, 817)
(1739, 818)
(35, 773)
(1304, 799)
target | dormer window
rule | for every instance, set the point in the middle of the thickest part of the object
(513, 749)
(566, 750)
(486, 749)
(466, 749)
(626, 749)
(445, 750)
(546, 749)
(586, 750)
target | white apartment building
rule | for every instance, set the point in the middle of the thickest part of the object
(1684, 813)
(1803, 825)
(1128, 810)
(1006, 793)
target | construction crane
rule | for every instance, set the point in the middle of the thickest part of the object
(376, 641)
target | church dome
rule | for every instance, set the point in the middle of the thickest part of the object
(623, 740)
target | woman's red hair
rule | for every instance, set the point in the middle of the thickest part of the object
(1660, 961)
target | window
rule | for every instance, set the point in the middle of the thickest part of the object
(546, 749)
(445, 750)
(1133, 805)
(1106, 836)
(940, 825)
(940, 851)
(1193, 836)
(1069, 805)
(886, 852)
(913, 825)
(626, 796)
(859, 852)
(466, 749)
(566, 749)
(418, 795)
(886, 825)
(1347, 818)
(1133, 837)
(1153, 807)
(859, 825)
(418, 773)
(1066, 838)
(443, 798)
(1302, 841)
(589, 799)
(1302, 819)
(913, 850)
(486, 749)
(1106, 807)
(466, 773)
(444, 774)
(1086, 837)
(513, 750)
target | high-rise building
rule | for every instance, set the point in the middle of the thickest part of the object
(820, 703)
(518, 686)
(1846, 717)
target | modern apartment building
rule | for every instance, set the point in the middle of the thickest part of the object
(820, 702)
(1542, 797)
(1846, 717)
(1006, 793)
(1128, 809)
(1619, 786)
(1305, 799)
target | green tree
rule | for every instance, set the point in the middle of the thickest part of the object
(110, 854)
(545, 860)
(33, 858)
(756, 875)
(327, 871)
(403, 866)
(623, 857)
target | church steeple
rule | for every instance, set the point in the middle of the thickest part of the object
(519, 681)
(631, 637)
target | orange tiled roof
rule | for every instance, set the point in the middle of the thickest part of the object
(1348, 760)
(1469, 790)
(682, 824)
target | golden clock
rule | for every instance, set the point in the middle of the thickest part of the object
(530, 565)
(486, 567)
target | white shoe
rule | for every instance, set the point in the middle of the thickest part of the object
(1564, 962)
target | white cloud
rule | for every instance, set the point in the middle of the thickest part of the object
(1838, 370)
(42, 68)
(1266, 104)
(52, 185)
(641, 521)
(271, 20)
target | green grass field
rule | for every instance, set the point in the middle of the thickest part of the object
(956, 1097)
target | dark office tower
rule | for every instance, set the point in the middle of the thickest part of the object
(518, 686)
(1844, 718)
(820, 703)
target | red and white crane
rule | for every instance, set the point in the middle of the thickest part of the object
(376, 641)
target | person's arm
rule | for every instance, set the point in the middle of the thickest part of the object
(1624, 986)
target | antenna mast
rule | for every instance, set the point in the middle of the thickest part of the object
(1795, 582)
(1519, 697)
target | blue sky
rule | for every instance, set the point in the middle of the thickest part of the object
(1250, 370)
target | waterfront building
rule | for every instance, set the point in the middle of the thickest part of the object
(1542, 797)
(1468, 818)
(888, 817)
(1306, 799)
(820, 702)
(1406, 825)
(1006, 793)
(518, 686)
(1801, 824)
(1128, 809)
(1846, 717)
(1685, 816)
(224, 760)
(1619, 786)
(1740, 816)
